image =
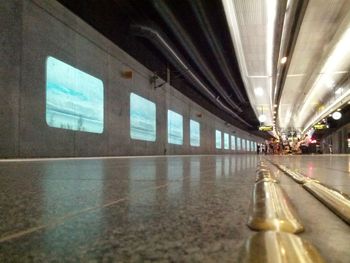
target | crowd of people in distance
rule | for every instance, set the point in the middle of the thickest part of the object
(274, 146)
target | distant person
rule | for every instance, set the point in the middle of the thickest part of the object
(258, 149)
(304, 144)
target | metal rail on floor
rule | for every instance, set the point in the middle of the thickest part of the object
(335, 200)
(271, 246)
(272, 210)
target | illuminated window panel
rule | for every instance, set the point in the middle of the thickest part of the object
(238, 144)
(218, 139)
(142, 118)
(248, 145)
(74, 99)
(233, 142)
(243, 144)
(175, 128)
(226, 141)
(194, 133)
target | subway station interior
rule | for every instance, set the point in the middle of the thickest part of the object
(175, 131)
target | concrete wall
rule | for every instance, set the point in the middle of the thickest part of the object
(338, 139)
(32, 30)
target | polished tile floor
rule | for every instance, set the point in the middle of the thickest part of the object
(164, 209)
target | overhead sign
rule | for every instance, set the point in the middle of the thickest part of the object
(320, 126)
(265, 128)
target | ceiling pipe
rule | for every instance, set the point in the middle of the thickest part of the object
(191, 50)
(282, 14)
(181, 65)
(208, 31)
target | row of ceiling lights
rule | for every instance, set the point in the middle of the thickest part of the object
(260, 92)
(283, 61)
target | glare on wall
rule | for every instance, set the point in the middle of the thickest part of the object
(218, 143)
(238, 144)
(226, 141)
(74, 99)
(194, 133)
(142, 118)
(175, 128)
(233, 142)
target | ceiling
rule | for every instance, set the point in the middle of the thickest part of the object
(226, 54)
(319, 66)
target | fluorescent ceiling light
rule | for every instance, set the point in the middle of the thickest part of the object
(259, 91)
(262, 118)
(271, 6)
(339, 91)
(336, 115)
(330, 82)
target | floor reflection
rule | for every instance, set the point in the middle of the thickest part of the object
(74, 202)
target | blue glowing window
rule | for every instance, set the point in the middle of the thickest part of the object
(238, 143)
(194, 133)
(218, 143)
(74, 99)
(248, 145)
(226, 141)
(233, 142)
(243, 144)
(175, 128)
(142, 118)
